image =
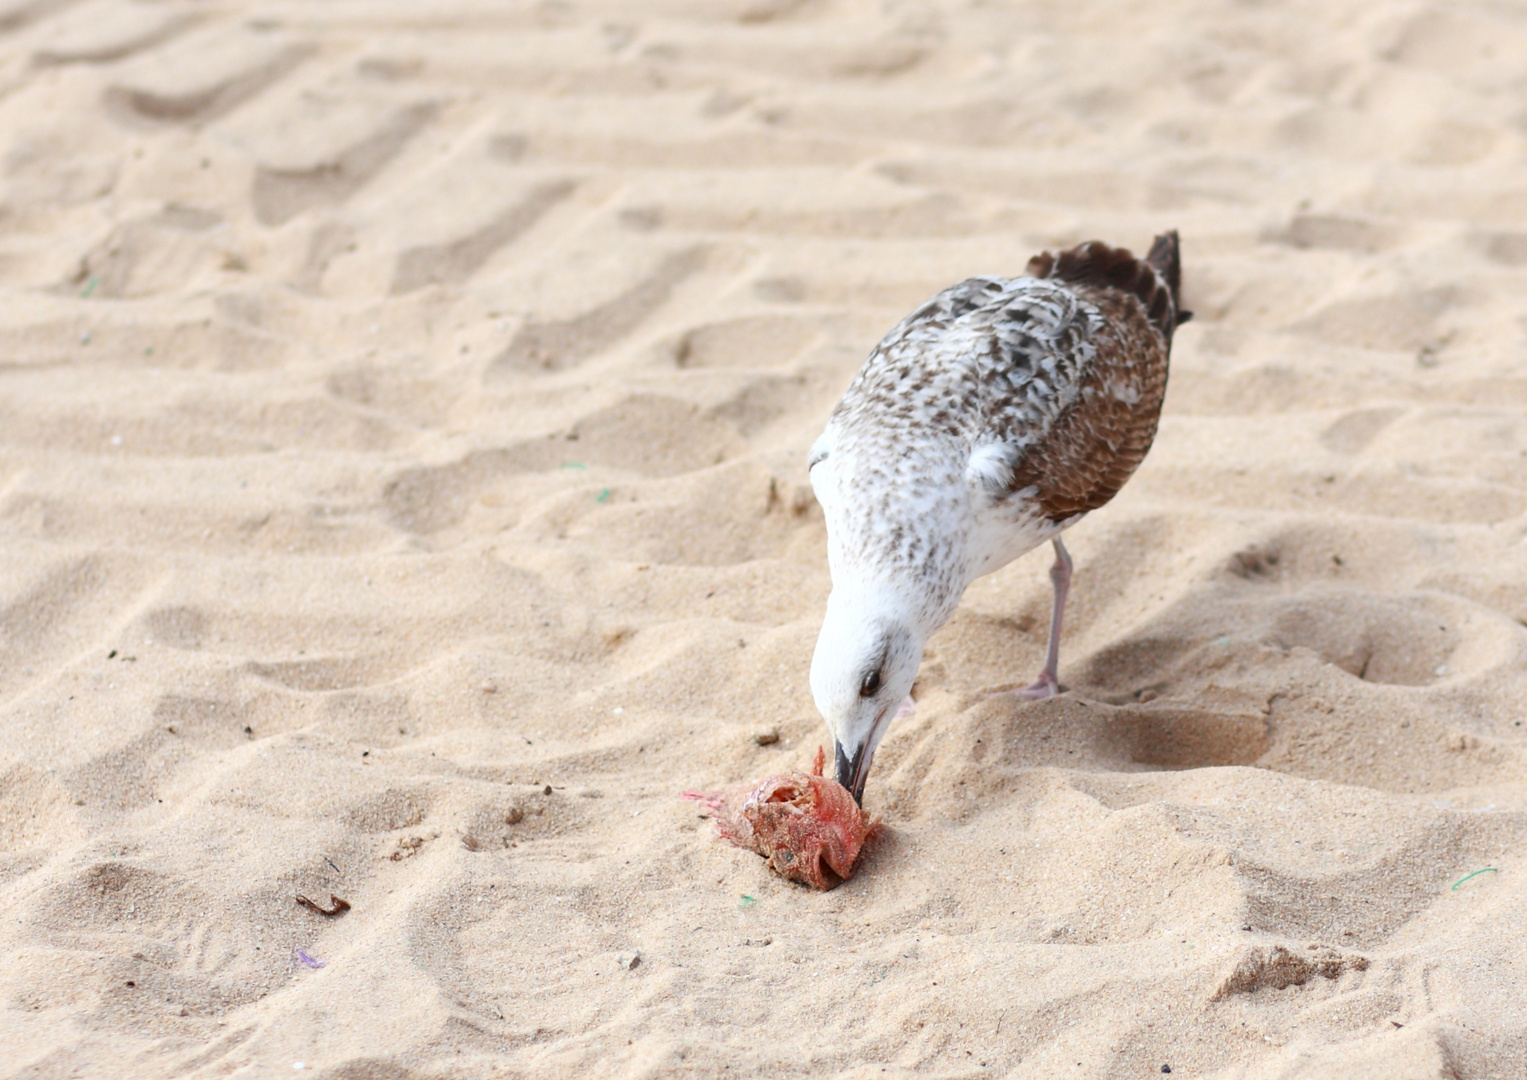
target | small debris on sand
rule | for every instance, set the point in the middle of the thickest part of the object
(339, 907)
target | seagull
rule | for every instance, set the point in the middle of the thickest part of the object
(988, 421)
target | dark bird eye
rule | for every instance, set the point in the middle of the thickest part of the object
(871, 684)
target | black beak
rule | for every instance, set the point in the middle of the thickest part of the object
(852, 772)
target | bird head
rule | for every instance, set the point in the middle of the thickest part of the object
(865, 663)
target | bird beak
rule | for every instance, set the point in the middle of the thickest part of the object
(853, 771)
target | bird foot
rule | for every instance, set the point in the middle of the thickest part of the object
(1046, 685)
(908, 708)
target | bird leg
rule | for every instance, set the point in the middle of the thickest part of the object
(1048, 683)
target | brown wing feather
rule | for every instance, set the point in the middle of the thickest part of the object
(1096, 444)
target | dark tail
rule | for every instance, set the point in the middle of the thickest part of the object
(1166, 258)
(1095, 263)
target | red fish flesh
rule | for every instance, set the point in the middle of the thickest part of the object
(806, 825)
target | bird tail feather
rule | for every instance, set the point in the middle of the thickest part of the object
(1155, 280)
(1165, 257)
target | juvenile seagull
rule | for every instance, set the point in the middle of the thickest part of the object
(989, 420)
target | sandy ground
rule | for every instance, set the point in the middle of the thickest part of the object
(403, 413)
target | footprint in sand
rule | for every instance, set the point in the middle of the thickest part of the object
(560, 344)
(202, 77)
(751, 341)
(281, 193)
(645, 434)
(106, 36)
(453, 262)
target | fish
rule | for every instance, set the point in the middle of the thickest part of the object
(808, 827)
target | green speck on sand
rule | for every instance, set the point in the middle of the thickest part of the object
(1475, 874)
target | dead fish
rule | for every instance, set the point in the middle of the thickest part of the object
(806, 825)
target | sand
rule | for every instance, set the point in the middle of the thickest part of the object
(403, 415)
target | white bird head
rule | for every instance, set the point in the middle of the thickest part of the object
(865, 663)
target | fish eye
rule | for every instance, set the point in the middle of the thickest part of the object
(871, 684)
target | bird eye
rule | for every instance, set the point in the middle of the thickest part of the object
(871, 684)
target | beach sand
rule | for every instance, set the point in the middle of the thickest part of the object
(403, 420)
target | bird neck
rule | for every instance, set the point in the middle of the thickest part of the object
(886, 600)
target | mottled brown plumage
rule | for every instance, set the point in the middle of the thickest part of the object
(1096, 444)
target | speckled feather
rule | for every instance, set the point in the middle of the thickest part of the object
(995, 415)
